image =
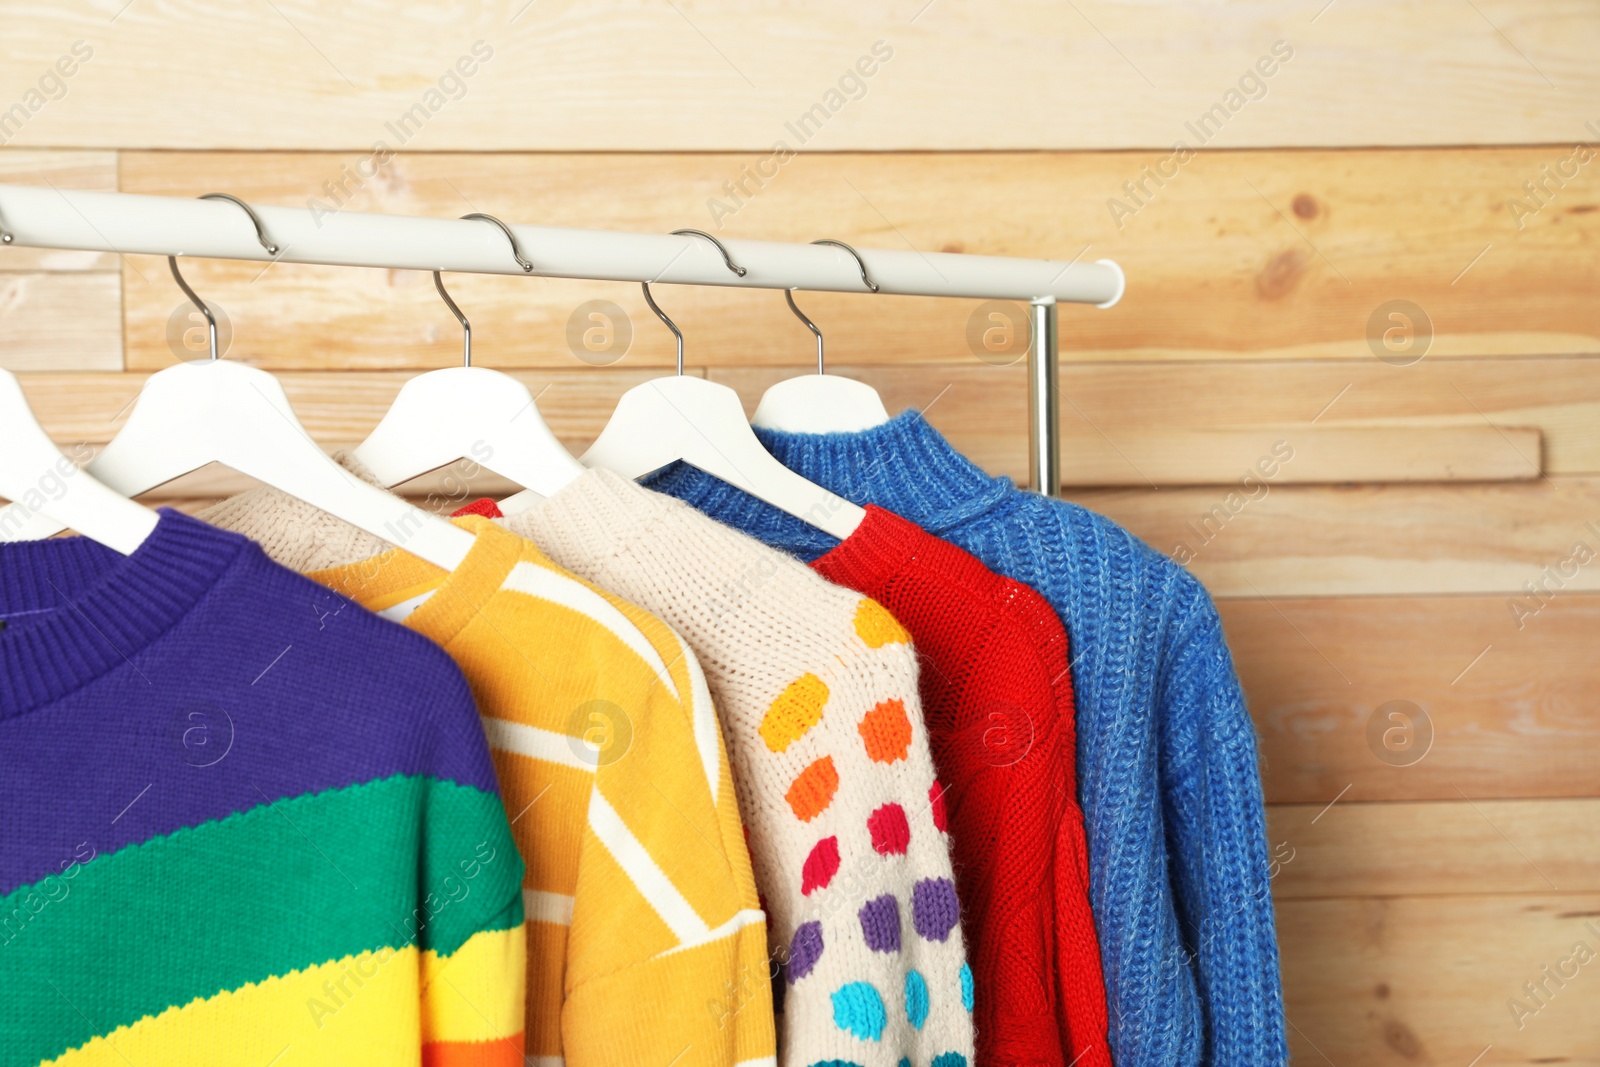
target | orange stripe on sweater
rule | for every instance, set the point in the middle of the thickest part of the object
(506, 1052)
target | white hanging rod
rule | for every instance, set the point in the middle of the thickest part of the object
(160, 225)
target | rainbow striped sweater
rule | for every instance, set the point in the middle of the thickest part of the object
(241, 821)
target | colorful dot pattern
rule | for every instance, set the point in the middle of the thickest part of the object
(813, 789)
(794, 712)
(860, 1008)
(886, 731)
(876, 627)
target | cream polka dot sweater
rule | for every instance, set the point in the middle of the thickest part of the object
(816, 688)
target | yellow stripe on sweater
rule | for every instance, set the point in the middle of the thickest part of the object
(368, 1008)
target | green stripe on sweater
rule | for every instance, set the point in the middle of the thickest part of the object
(406, 860)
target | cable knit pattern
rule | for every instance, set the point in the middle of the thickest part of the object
(1167, 770)
(816, 687)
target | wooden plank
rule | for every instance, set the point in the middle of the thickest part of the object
(716, 75)
(1431, 980)
(1261, 540)
(1112, 436)
(67, 170)
(1347, 692)
(60, 322)
(1255, 255)
(1446, 848)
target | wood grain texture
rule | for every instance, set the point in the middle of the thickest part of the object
(1144, 425)
(1427, 980)
(60, 322)
(1447, 848)
(1287, 541)
(1506, 696)
(1251, 255)
(715, 74)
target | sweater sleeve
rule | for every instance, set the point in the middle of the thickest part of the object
(1214, 808)
(468, 920)
(667, 953)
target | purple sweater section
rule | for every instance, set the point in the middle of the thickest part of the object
(200, 679)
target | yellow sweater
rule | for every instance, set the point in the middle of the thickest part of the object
(646, 944)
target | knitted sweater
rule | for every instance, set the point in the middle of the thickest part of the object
(643, 919)
(817, 690)
(236, 831)
(997, 694)
(1167, 771)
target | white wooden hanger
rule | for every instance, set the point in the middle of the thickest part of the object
(47, 487)
(468, 412)
(703, 423)
(821, 402)
(220, 411)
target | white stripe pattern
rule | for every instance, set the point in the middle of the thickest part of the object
(543, 907)
(741, 919)
(704, 718)
(536, 581)
(651, 881)
(538, 743)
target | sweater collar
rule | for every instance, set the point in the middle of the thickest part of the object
(75, 609)
(904, 466)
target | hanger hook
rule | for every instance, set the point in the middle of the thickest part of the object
(865, 279)
(194, 298)
(6, 236)
(662, 315)
(255, 220)
(726, 257)
(788, 294)
(211, 320)
(466, 327)
(516, 249)
(455, 309)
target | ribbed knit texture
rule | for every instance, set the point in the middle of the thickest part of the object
(1167, 772)
(817, 690)
(236, 825)
(997, 695)
(644, 928)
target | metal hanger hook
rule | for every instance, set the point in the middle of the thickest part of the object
(516, 249)
(662, 315)
(455, 309)
(6, 236)
(255, 220)
(194, 298)
(726, 256)
(466, 327)
(866, 280)
(788, 294)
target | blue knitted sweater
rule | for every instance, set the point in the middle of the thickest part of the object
(1167, 769)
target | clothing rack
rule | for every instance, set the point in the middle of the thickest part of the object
(125, 223)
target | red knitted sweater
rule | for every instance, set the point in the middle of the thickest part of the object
(997, 696)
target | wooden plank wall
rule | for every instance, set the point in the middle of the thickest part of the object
(1412, 599)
